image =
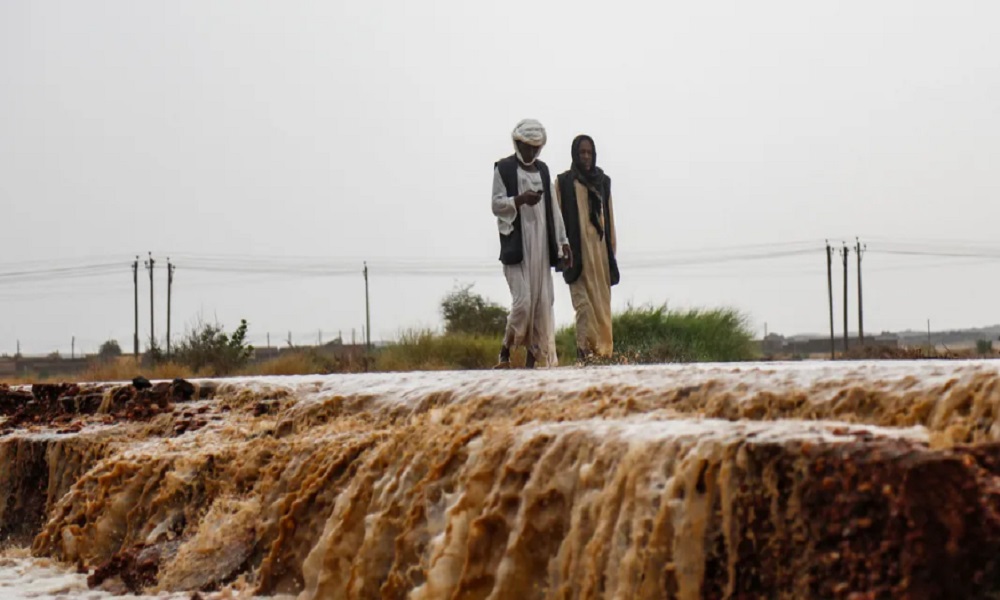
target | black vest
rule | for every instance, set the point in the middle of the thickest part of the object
(512, 246)
(571, 217)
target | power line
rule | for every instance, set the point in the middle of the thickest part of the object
(942, 253)
(8, 277)
(441, 266)
(222, 268)
(43, 263)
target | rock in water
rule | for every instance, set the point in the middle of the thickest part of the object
(182, 390)
(141, 383)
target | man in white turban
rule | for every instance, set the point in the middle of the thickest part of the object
(532, 242)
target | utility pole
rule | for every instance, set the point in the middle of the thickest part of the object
(72, 348)
(269, 340)
(290, 340)
(368, 314)
(829, 286)
(858, 251)
(170, 286)
(135, 287)
(844, 252)
(152, 329)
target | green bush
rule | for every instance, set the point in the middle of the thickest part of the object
(208, 347)
(468, 313)
(984, 347)
(653, 334)
(109, 350)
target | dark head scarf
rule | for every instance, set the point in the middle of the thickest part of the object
(593, 180)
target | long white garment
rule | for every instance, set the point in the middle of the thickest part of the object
(532, 321)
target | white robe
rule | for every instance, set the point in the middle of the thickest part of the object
(532, 321)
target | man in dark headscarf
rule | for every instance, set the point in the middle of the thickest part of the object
(584, 194)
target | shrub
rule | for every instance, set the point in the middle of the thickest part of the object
(208, 347)
(469, 313)
(109, 350)
(653, 334)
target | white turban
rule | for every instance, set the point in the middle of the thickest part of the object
(530, 132)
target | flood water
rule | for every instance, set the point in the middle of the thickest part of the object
(787, 480)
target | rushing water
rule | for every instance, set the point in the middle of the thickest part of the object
(781, 480)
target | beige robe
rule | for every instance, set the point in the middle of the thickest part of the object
(591, 293)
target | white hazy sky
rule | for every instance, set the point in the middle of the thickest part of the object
(367, 130)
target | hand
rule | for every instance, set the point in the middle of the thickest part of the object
(567, 256)
(530, 198)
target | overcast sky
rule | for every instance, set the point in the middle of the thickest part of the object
(347, 131)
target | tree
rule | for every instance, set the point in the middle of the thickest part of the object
(207, 346)
(109, 350)
(469, 313)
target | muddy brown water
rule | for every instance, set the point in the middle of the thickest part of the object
(853, 480)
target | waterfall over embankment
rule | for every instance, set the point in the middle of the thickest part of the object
(809, 480)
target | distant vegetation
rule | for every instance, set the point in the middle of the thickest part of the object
(468, 313)
(654, 334)
(207, 347)
(471, 340)
(109, 350)
(473, 332)
(424, 350)
(642, 336)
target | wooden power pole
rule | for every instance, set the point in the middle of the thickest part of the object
(858, 251)
(368, 314)
(844, 252)
(170, 287)
(829, 287)
(135, 287)
(152, 329)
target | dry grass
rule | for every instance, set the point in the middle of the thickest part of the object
(125, 368)
(424, 350)
(292, 363)
(912, 353)
(18, 379)
(305, 362)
